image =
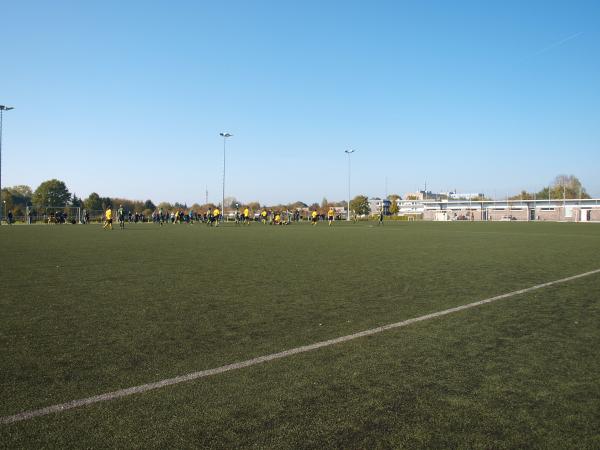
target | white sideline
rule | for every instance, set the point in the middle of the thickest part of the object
(261, 359)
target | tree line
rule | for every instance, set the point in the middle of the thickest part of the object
(54, 193)
(568, 186)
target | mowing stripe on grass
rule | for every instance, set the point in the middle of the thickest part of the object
(261, 359)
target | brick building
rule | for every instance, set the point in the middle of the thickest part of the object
(568, 210)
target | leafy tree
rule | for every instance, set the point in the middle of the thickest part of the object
(543, 194)
(166, 206)
(360, 205)
(17, 197)
(21, 190)
(324, 203)
(149, 205)
(523, 195)
(128, 205)
(297, 205)
(76, 201)
(567, 185)
(93, 202)
(393, 198)
(206, 207)
(51, 193)
(570, 186)
(253, 206)
(10, 204)
(106, 202)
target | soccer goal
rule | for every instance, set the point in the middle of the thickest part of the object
(52, 214)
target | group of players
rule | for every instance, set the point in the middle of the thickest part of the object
(213, 217)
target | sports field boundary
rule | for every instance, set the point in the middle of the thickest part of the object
(26, 415)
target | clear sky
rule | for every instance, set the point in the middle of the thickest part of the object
(127, 98)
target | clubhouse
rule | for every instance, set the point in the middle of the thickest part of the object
(557, 210)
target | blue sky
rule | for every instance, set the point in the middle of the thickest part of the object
(128, 98)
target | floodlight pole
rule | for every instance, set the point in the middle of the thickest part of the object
(224, 136)
(348, 152)
(2, 109)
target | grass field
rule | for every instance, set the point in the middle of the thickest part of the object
(86, 311)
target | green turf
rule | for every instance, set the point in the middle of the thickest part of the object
(86, 311)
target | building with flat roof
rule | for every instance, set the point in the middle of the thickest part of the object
(376, 204)
(559, 210)
(463, 196)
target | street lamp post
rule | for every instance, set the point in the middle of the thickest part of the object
(348, 152)
(224, 136)
(2, 109)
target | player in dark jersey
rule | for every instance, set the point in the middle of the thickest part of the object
(121, 216)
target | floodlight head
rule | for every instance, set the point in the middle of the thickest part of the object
(349, 151)
(225, 135)
(6, 108)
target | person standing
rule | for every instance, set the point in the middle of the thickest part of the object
(121, 215)
(108, 218)
(314, 216)
(330, 215)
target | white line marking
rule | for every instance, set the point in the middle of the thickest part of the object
(262, 359)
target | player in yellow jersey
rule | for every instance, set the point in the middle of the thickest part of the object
(314, 217)
(263, 216)
(277, 219)
(246, 216)
(330, 215)
(216, 216)
(108, 217)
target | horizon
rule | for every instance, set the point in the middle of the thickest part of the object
(332, 202)
(489, 99)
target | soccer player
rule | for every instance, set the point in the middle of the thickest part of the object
(330, 214)
(277, 218)
(108, 216)
(216, 216)
(314, 217)
(121, 215)
(263, 216)
(247, 216)
(381, 217)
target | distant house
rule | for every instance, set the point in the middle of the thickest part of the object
(424, 195)
(463, 196)
(376, 204)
